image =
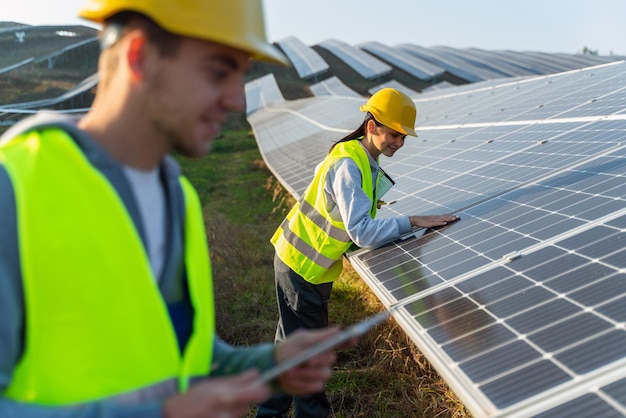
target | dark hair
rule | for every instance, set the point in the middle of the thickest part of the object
(359, 132)
(121, 23)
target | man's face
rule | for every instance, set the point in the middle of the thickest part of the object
(189, 96)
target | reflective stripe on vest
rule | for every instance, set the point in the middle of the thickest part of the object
(96, 324)
(309, 241)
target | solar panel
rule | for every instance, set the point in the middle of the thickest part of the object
(262, 92)
(332, 86)
(396, 85)
(296, 135)
(360, 61)
(521, 305)
(453, 64)
(305, 60)
(512, 65)
(438, 86)
(411, 64)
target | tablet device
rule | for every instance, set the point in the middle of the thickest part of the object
(384, 184)
(352, 331)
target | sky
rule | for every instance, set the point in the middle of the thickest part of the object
(553, 26)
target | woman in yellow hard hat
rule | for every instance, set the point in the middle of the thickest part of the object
(337, 211)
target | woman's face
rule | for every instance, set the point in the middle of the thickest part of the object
(380, 139)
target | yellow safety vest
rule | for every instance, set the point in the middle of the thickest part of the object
(96, 325)
(309, 241)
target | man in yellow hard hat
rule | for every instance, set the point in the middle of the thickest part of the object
(105, 281)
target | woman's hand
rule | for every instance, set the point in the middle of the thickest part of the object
(431, 221)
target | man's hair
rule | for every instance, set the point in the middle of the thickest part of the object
(121, 23)
(166, 43)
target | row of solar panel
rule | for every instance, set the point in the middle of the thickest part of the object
(521, 305)
(372, 60)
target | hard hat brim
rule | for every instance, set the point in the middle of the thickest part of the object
(248, 35)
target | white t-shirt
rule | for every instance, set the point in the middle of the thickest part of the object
(150, 197)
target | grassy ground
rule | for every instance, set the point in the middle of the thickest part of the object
(384, 375)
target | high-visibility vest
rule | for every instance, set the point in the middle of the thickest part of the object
(309, 240)
(96, 325)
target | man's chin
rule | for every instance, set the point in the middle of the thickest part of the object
(195, 152)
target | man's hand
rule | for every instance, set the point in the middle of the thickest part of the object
(220, 397)
(311, 376)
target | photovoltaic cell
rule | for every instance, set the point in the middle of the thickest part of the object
(587, 405)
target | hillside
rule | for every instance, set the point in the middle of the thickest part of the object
(44, 75)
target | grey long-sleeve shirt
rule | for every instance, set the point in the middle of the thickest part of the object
(348, 201)
(226, 359)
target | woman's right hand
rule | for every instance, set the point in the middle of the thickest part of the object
(431, 221)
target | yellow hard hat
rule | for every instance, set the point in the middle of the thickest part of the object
(393, 109)
(235, 23)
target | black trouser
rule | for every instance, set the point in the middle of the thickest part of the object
(300, 305)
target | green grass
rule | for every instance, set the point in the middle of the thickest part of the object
(384, 375)
(235, 189)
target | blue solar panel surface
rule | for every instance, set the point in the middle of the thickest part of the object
(520, 305)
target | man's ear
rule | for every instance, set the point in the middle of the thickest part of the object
(136, 55)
